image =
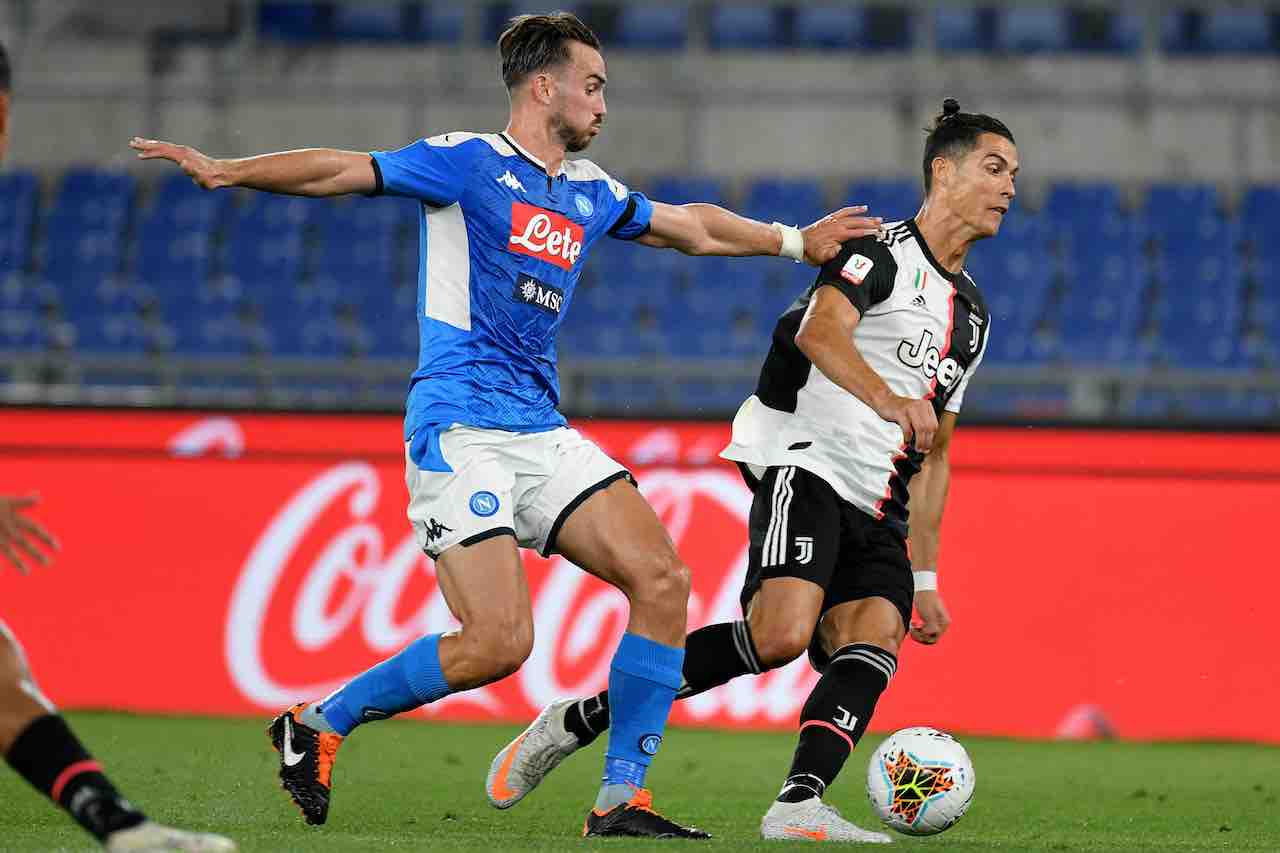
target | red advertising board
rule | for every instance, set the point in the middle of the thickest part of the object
(234, 564)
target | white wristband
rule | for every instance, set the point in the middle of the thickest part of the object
(792, 242)
(925, 580)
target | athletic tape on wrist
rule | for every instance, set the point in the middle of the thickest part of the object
(925, 580)
(792, 242)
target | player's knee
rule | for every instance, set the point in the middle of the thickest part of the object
(664, 584)
(506, 645)
(779, 646)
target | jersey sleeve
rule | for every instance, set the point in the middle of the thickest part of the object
(432, 170)
(863, 271)
(957, 399)
(628, 212)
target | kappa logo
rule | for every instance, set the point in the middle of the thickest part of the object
(511, 181)
(435, 530)
(539, 294)
(545, 235)
(804, 549)
(856, 268)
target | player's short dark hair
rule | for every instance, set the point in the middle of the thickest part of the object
(532, 43)
(4, 69)
(955, 134)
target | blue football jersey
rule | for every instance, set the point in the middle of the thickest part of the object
(501, 247)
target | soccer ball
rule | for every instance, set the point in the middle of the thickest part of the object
(920, 781)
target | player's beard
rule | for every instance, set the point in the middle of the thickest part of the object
(573, 139)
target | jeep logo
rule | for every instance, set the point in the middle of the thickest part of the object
(924, 355)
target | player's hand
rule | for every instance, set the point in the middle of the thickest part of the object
(917, 419)
(934, 618)
(822, 239)
(205, 171)
(19, 535)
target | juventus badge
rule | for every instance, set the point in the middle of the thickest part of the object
(804, 549)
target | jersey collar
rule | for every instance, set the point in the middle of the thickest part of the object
(953, 277)
(533, 161)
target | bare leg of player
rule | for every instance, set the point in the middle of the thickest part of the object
(616, 536)
(485, 587)
(39, 745)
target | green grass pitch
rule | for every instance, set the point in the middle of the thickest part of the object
(419, 786)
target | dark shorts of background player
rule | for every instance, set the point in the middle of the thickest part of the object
(800, 528)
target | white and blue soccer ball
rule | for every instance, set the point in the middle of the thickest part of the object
(920, 781)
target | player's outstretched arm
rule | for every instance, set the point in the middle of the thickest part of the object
(308, 171)
(705, 229)
(20, 534)
(928, 499)
(826, 338)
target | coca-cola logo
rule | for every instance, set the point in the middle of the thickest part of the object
(546, 235)
(324, 593)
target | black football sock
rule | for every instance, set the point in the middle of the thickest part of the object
(713, 656)
(835, 716)
(48, 755)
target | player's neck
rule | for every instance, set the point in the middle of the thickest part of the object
(536, 137)
(947, 236)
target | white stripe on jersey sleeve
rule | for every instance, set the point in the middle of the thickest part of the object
(448, 285)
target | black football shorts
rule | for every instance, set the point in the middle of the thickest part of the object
(800, 528)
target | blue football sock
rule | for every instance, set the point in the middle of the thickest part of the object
(406, 681)
(643, 681)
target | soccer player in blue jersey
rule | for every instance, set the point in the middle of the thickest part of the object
(506, 222)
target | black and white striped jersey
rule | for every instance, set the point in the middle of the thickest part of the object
(922, 329)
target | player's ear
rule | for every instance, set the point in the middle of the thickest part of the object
(943, 171)
(542, 86)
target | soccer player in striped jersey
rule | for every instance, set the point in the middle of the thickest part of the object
(857, 398)
(506, 222)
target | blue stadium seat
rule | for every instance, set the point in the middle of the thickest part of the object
(441, 22)
(891, 199)
(828, 26)
(370, 21)
(19, 193)
(1259, 213)
(684, 189)
(736, 27)
(1031, 29)
(21, 331)
(1236, 30)
(960, 29)
(1068, 199)
(1099, 30)
(659, 26)
(792, 201)
(294, 21)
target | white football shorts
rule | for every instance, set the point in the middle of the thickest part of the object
(519, 484)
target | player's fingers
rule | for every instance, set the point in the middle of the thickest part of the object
(852, 210)
(905, 424)
(39, 532)
(31, 551)
(24, 501)
(8, 551)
